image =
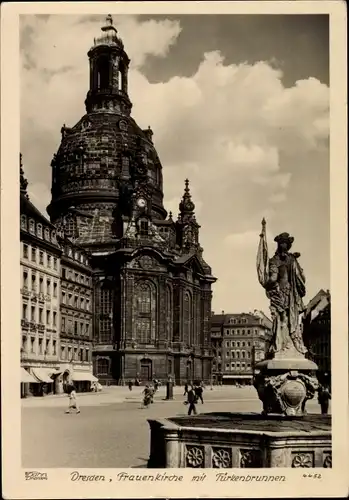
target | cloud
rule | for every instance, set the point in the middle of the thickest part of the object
(39, 194)
(243, 138)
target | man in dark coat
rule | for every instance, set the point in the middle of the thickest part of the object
(191, 399)
(324, 399)
(198, 392)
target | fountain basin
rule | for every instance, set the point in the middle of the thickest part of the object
(240, 440)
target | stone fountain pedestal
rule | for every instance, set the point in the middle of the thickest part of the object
(285, 383)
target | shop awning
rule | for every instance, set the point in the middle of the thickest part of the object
(26, 378)
(237, 376)
(83, 377)
(43, 374)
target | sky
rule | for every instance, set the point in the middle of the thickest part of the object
(239, 104)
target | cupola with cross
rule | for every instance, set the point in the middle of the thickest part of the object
(109, 65)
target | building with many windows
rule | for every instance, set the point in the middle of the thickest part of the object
(317, 333)
(152, 286)
(217, 322)
(76, 308)
(240, 341)
(40, 292)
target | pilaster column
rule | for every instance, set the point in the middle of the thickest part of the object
(176, 313)
(129, 298)
(161, 313)
(122, 308)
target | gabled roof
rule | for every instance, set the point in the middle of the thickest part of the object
(252, 319)
(192, 257)
(164, 222)
(320, 307)
(315, 300)
(218, 319)
(183, 259)
(29, 209)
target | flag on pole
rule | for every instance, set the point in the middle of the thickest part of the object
(262, 257)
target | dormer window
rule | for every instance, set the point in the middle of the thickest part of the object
(53, 237)
(23, 222)
(85, 125)
(39, 230)
(47, 234)
(31, 226)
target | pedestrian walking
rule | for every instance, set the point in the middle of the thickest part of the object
(148, 396)
(191, 401)
(198, 393)
(73, 404)
(185, 389)
(324, 397)
(130, 384)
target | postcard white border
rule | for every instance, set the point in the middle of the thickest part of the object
(334, 481)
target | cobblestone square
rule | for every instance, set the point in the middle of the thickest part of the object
(112, 431)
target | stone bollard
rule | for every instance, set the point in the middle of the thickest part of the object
(169, 389)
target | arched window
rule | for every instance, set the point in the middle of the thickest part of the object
(125, 166)
(143, 226)
(144, 298)
(145, 312)
(103, 73)
(31, 226)
(187, 319)
(23, 222)
(105, 312)
(70, 226)
(39, 230)
(120, 80)
(102, 366)
(152, 176)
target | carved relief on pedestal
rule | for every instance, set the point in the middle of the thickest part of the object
(194, 456)
(250, 459)
(327, 460)
(221, 458)
(303, 459)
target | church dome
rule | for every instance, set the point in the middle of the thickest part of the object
(94, 160)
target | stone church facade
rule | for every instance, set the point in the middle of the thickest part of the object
(152, 287)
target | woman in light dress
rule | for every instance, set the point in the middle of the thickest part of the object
(73, 404)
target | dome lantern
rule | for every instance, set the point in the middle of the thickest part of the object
(109, 65)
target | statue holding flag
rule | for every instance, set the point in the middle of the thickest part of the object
(284, 282)
(284, 380)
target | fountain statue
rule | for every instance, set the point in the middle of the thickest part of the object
(286, 377)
